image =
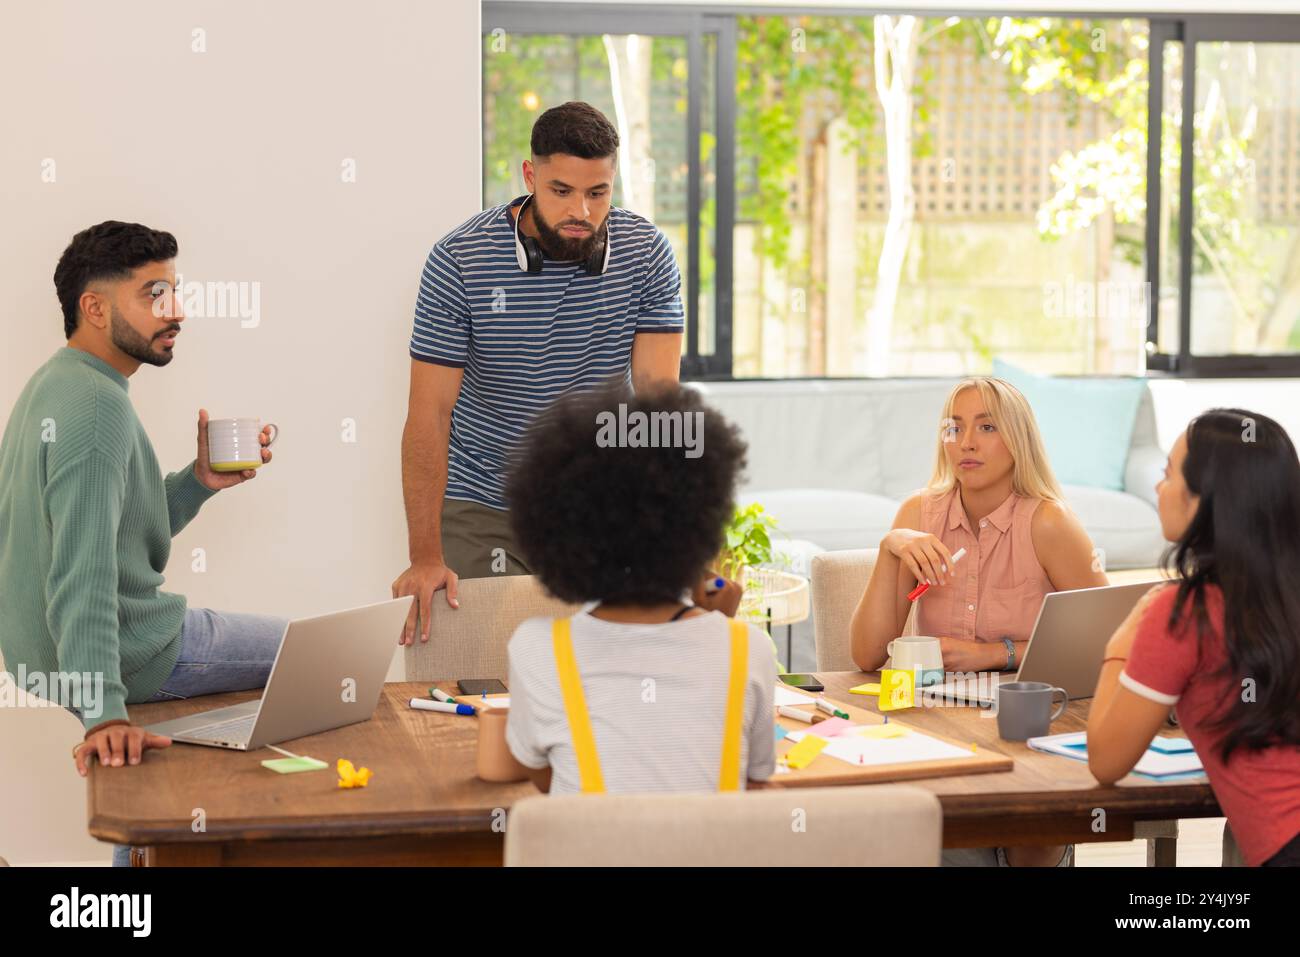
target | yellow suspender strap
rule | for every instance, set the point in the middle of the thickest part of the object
(575, 707)
(729, 776)
(584, 740)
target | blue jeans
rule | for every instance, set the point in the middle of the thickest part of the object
(220, 651)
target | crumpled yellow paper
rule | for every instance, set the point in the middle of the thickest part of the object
(350, 777)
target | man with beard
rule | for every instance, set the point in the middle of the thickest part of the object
(87, 518)
(553, 292)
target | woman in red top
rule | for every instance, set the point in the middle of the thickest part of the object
(1223, 644)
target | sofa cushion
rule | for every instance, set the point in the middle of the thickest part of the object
(1123, 526)
(801, 433)
(831, 518)
(905, 431)
(1086, 423)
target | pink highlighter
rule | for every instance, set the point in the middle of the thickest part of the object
(924, 587)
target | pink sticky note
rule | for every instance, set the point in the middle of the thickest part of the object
(829, 728)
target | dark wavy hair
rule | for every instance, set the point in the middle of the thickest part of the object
(1245, 538)
(109, 250)
(575, 129)
(617, 523)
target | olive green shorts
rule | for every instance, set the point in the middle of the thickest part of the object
(477, 541)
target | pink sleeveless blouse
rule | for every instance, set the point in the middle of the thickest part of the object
(998, 587)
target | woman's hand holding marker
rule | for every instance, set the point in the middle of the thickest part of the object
(924, 587)
(923, 554)
(716, 593)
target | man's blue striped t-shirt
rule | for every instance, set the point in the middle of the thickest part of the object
(525, 339)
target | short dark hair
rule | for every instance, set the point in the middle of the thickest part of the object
(616, 522)
(107, 251)
(575, 129)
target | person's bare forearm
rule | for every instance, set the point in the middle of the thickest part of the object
(424, 484)
(1107, 682)
(875, 622)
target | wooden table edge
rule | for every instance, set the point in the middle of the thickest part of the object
(115, 830)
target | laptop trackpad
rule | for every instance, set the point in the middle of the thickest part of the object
(204, 718)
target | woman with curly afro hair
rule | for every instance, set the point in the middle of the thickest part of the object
(618, 501)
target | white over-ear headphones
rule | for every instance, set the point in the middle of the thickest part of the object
(528, 253)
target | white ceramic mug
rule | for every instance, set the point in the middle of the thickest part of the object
(918, 654)
(235, 444)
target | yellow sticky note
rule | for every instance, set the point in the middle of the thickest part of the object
(897, 689)
(878, 731)
(802, 753)
(870, 688)
(350, 777)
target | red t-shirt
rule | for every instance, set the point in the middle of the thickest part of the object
(1259, 791)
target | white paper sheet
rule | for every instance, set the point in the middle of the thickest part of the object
(787, 695)
(861, 751)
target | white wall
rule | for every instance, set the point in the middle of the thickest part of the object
(1177, 400)
(238, 151)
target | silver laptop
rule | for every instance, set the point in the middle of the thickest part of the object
(1065, 648)
(328, 672)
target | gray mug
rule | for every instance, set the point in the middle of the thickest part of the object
(1025, 709)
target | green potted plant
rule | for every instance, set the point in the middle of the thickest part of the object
(747, 543)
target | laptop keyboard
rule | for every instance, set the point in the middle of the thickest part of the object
(236, 729)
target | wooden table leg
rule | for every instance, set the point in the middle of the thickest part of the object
(1162, 852)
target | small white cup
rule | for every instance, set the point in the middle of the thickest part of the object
(918, 654)
(235, 444)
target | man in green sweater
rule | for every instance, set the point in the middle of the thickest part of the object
(87, 518)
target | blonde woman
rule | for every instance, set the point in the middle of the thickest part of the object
(993, 494)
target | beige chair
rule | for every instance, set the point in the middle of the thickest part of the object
(838, 581)
(43, 801)
(470, 641)
(877, 826)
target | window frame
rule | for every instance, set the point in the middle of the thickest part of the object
(692, 24)
(1189, 30)
(695, 21)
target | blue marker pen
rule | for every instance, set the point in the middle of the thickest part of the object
(421, 704)
(715, 586)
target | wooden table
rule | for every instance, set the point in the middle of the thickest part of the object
(189, 805)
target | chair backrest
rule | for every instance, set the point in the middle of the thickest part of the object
(838, 582)
(875, 826)
(470, 641)
(43, 801)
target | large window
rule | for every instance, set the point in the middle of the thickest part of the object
(860, 194)
(656, 76)
(1228, 274)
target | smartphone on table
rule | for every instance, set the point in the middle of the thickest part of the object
(803, 682)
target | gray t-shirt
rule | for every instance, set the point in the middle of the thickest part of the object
(656, 694)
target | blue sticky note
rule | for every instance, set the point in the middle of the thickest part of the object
(1171, 745)
(780, 732)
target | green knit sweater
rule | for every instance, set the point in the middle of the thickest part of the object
(86, 523)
